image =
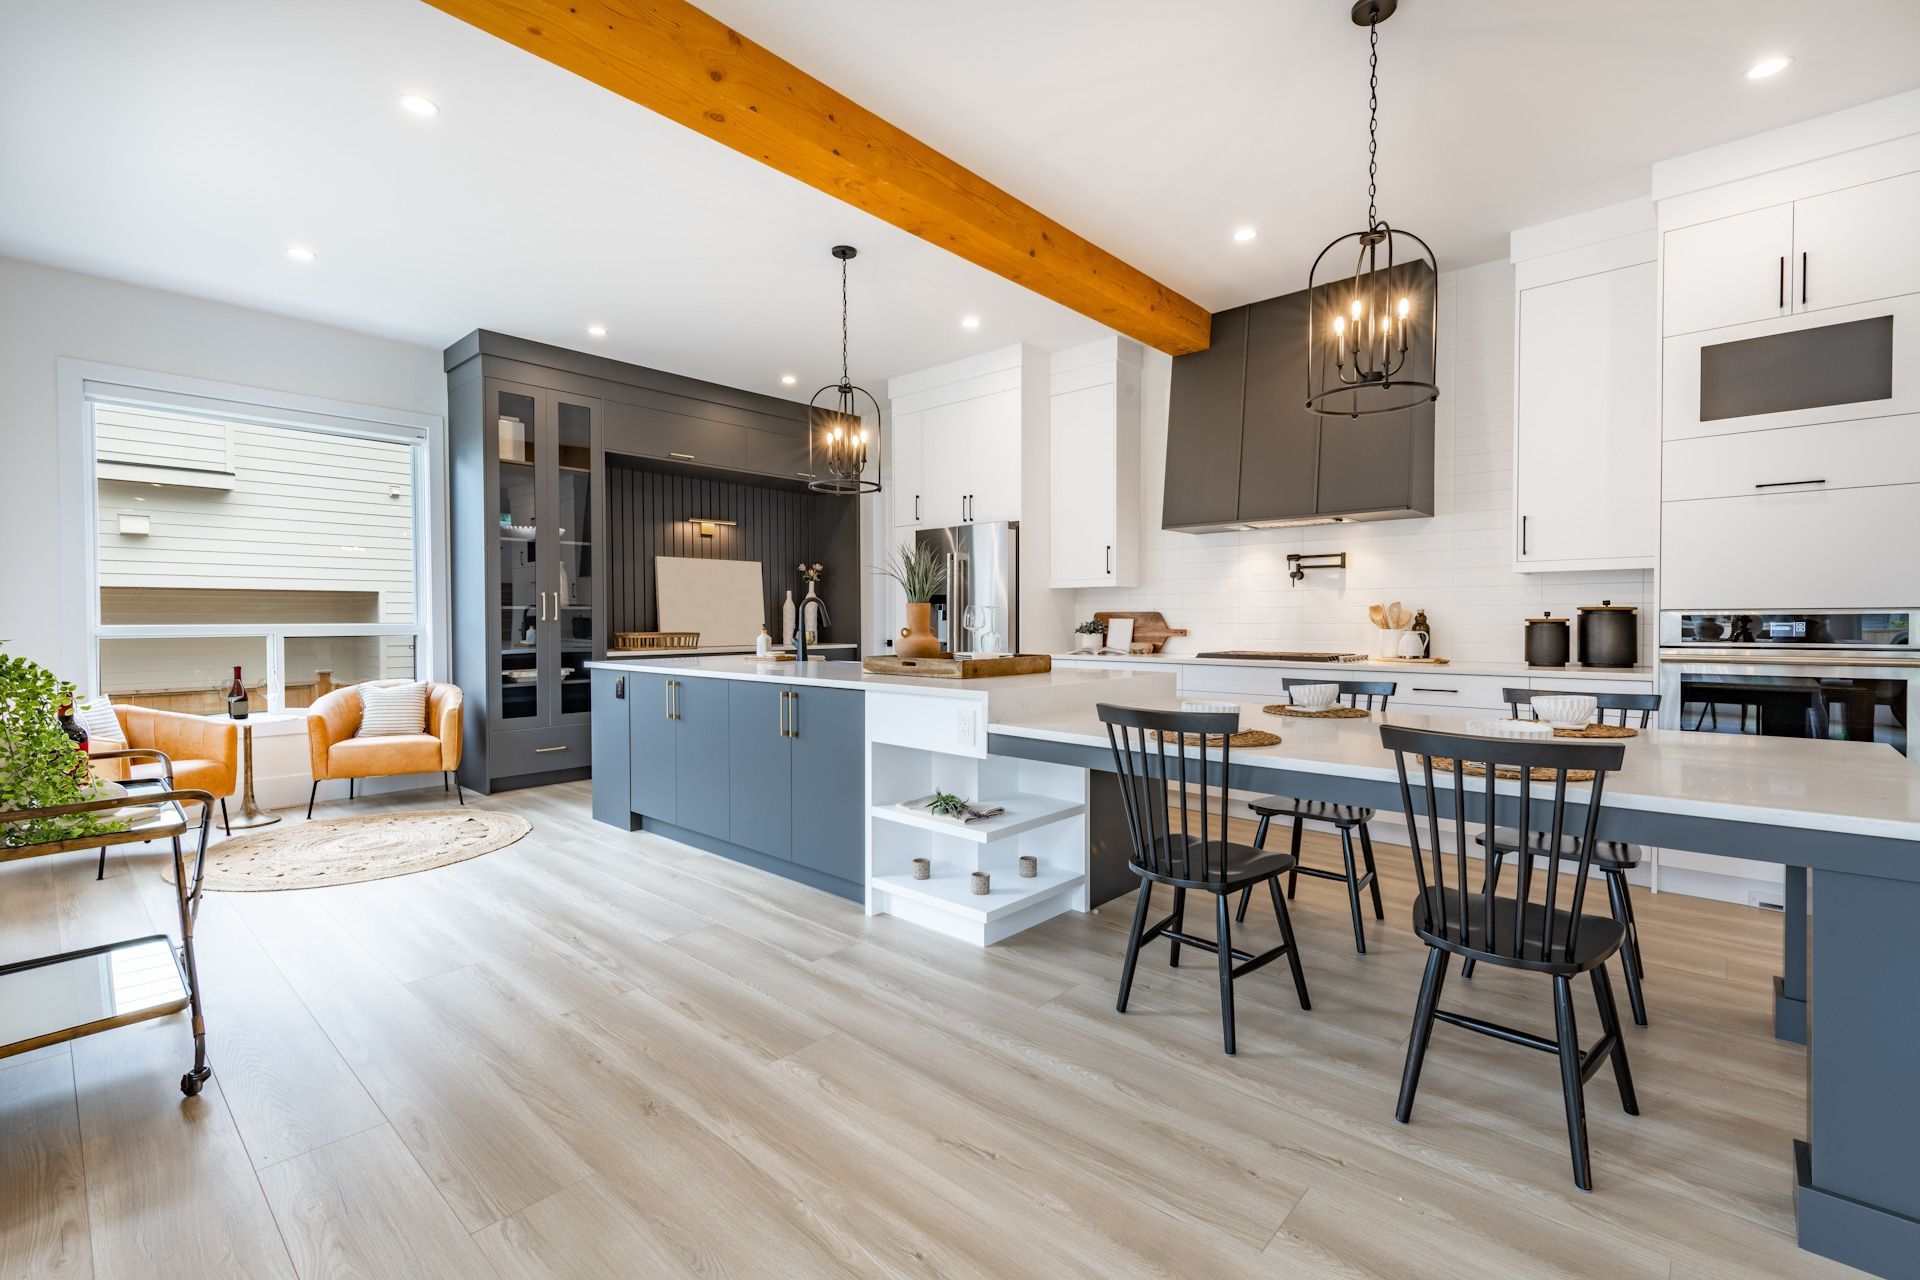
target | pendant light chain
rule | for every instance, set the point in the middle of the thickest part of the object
(1373, 121)
(845, 376)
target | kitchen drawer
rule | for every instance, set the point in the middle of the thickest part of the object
(1798, 549)
(769, 453)
(648, 431)
(515, 753)
(1833, 455)
(1577, 680)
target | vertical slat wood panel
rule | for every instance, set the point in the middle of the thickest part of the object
(649, 514)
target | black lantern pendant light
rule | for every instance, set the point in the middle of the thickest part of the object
(1372, 337)
(837, 441)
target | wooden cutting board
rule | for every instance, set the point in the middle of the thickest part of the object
(1149, 627)
(1006, 664)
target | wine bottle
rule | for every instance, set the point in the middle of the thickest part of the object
(237, 697)
(73, 727)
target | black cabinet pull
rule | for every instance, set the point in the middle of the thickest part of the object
(1420, 689)
(1803, 277)
(1783, 281)
(916, 506)
(1782, 484)
(1523, 535)
(1109, 559)
(620, 687)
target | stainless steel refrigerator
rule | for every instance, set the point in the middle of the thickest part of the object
(983, 567)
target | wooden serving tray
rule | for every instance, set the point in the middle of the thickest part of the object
(1149, 628)
(949, 668)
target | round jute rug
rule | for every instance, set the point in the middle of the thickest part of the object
(331, 851)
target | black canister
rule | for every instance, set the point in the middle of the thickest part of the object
(1609, 635)
(1547, 644)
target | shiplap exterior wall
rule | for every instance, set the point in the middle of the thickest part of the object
(320, 526)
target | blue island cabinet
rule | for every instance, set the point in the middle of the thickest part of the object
(766, 773)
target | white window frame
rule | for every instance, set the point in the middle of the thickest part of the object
(81, 382)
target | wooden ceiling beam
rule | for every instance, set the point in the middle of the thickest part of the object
(684, 64)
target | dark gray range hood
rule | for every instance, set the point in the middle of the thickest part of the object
(1243, 452)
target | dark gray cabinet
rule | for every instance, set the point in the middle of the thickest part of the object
(1206, 413)
(612, 748)
(773, 775)
(700, 727)
(828, 738)
(652, 759)
(759, 769)
(1242, 449)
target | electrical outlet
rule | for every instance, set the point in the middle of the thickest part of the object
(967, 727)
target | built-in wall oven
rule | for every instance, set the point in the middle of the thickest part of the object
(1849, 675)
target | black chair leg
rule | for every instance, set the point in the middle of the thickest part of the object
(1286, 938)
(1373, 883)
(1223, 924)
(1610, 1025)
(1493, 884)
(1259, 842)
(349, 788)
(101, 874)
(456, 789)
(1630, 949)
(310, 798)
(1293, 876)
(1179, 924)
(1568, 1037)
(1430, 986)
(1140, 909)
(224, 824)
(1353, 888)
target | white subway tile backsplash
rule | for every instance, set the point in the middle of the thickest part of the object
(1230, 590)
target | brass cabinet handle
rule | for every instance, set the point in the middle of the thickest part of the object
(781, 708)
(684, 457)
(793, 713)
(540, 751)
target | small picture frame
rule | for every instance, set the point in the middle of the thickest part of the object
(1120, 635)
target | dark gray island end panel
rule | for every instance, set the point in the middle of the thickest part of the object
(771, 775)
(612, 776)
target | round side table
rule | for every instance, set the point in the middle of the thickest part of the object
(251, 814)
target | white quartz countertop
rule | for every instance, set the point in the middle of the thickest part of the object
(708, 650)
(850, 675)
(1861, 788)
(1514, 669)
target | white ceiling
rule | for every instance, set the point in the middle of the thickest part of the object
(186, 144)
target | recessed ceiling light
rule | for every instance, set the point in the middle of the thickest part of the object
(1768, 67)
(419, 104)
(596, 331)
(1245, 234)
(787, 379)
(969, 322)
(299, 253)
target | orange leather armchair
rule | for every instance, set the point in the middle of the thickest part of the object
(205, 750)
(334, 752)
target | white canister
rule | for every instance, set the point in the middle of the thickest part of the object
(1388, 642)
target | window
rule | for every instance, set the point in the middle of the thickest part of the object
(284, 543)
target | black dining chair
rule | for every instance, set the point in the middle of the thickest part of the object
(1347, 819)
(1163, 785)
(1549, 934)
(1611, 858)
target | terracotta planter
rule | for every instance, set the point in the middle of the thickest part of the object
(916, 638)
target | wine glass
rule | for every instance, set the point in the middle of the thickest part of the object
(976, 618)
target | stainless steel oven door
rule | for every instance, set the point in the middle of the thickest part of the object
(1825, 697)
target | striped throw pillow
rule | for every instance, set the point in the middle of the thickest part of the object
(103, 727)
(392, 709)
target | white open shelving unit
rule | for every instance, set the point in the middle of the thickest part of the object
(926, 745)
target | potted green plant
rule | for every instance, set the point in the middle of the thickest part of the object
(1094, 633)
(40, 766)
(920, 574)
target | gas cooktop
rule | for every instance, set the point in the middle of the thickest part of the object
(1283, 656)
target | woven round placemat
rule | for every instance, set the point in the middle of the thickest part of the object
(1444, 764)
(1324, 713)
(1244, 738)
(1597, 731)
(330, 851)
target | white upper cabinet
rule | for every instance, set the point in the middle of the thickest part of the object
(1586, 440)
(1829, 250)
(1094, 465)
(903, 471)
(1729, 270)
(1857, 244)
(958, 437)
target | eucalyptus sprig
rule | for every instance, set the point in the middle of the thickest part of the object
(917, 569)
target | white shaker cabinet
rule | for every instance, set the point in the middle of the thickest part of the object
(904, 468)
(957, 441)
(1586, 459)
(1094, 465)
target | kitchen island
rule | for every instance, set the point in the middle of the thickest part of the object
(809, 770)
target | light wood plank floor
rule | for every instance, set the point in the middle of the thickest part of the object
(595, 1054)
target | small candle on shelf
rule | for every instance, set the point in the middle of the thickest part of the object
(1029, 866)
(979, 882)
(922, 869)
